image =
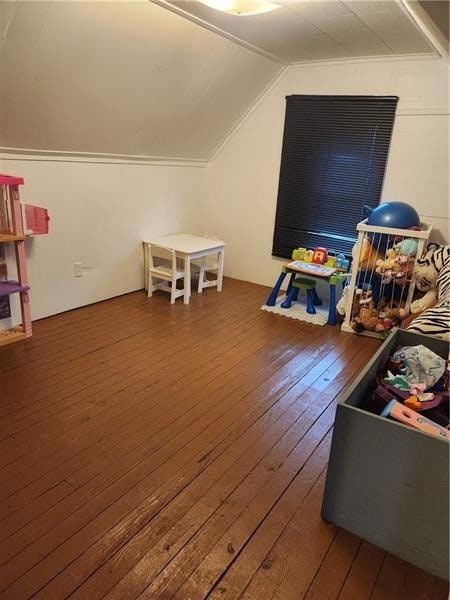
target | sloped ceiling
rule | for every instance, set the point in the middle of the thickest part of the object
(127, 78)
(305, 30)
(438, 11)
(132, 78)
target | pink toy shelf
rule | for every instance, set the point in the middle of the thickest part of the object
(13, 216)
(9, 287)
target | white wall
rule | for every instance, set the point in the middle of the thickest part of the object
(100, 211)
(99, 215)
(242, 179)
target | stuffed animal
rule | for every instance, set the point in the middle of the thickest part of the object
(368, 320)
(406, 322)
(365, 256)
(340, 306)
(368, 255)
(370, 317)
(395, 266)
(364, 314)
(388, 262)
(432, 273)
(426, 271)
(408, 247)
(391, 317)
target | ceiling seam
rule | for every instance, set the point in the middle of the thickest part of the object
(426, 25)
(233, 130)
(68, 156)
(374, 58)
(232, 38)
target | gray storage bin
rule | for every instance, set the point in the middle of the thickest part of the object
(386, 482)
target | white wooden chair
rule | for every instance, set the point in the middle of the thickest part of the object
(208, 264)
(162, 267)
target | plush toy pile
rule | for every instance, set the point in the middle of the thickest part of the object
(432, 276)
(382, 284)
(368, 317)
(376, 308)
(395, 266)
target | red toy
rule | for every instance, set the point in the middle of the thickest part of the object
(320, 255)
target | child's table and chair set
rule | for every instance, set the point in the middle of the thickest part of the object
(309, 272)
(170, 258)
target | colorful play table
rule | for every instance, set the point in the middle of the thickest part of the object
(331, 275)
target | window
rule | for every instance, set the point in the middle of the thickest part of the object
(333, 160)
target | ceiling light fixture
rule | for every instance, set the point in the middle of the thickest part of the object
(241, 7)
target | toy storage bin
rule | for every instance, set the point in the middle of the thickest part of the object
(386, 482)
(366, 275)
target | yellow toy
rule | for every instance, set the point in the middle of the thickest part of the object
(369, 255)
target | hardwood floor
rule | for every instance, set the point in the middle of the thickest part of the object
(159, 451)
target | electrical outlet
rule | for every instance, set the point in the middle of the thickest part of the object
(78, 269)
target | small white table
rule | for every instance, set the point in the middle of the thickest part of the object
(189, 247)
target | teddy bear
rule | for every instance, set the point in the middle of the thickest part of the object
(388, 262)
(367, 319)
(371, 320)
(377, 317)
(365, 315)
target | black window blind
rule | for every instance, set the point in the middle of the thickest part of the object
(333, 160)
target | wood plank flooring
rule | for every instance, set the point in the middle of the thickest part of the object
(157, 451)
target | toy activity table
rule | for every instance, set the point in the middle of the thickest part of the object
(329, 274)
(189, 247)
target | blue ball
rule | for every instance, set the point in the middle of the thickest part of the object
(394, 214)
(397, 215)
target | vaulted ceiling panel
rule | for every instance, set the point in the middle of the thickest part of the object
(167, 78)
(304, 30)
(127, 78)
